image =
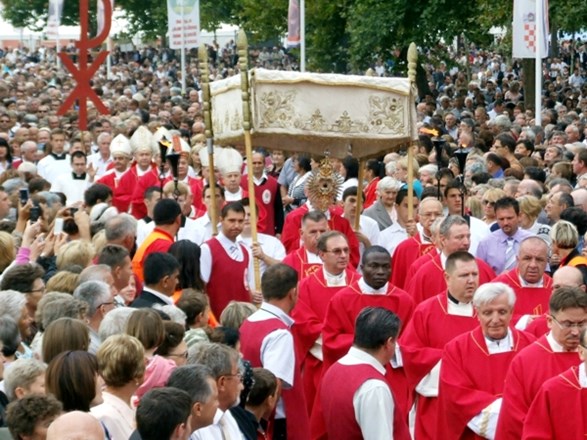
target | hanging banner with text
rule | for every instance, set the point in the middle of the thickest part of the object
(183, 23)
(54, 18)
(525, 29)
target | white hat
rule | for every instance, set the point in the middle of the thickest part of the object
(204, 156)
(179, 145)
(230, 161)
(161, 133)
(120, 144)
(142, 140)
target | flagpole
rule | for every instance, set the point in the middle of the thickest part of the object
(183, 53)
(58, 49)
(302, 35)
(538, 70)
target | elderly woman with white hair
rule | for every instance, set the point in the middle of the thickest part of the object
(14, 304)
(383, 210)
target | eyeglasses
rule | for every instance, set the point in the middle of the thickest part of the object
(179, 355)
(430, 214)
(566, 325)
(339, 251)
(487, 202)
(238, 375)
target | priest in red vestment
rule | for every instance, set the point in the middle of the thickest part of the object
(142, 145)
(314, 294)
(356, 401)
(121, 156)
(305, 260)
(474, 366)
(414, 247)
(559, 410)
(531, 285)
(549, 356)
(436, 322)
(373, 289)
(454, 235)
(266, 341)
(372, 172)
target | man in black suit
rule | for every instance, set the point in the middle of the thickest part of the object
(161, 272)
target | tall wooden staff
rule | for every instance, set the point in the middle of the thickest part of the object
(242, 45)
(362, 165)
(203, 64)
(412, 63)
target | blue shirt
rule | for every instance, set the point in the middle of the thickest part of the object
(492, 249)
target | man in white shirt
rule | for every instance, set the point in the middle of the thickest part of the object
(73, 184)
(359, 376)
(102, 158)
(268, 249)
(223, 362)
(205, 220)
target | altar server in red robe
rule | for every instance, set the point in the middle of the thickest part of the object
(315, 293)
(356, 400)
(549, 356)
(305, 260)
(373, 289)
(414, 247)
(266, 341)
(531, 285)
(436, 322)
(559, 411)
(429, 279)
(474, 366)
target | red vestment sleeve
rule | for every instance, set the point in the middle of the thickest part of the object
(123, 192)
(338, 331)
(138, 208)
(290, 236)
(308, 324)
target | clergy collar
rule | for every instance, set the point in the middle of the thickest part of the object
(555, 346)
(423, 237)
(453, 300)
(525, 283)
(61, 156)
(76, 177)
(334, 280)
(503, 345)
(365, 288)
(311, 257)
(147, 219)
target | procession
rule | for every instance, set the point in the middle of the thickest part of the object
(214, 241)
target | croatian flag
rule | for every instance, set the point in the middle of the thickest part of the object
(525, 29)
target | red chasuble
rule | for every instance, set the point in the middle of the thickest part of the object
(339, 328)
(418, 264)
(298, 260)
(290, 236)
(422, 343)
(559, 411)
(429, 279)
(109, 179)
(122, 195)
(538, 327)
(529, 300)
(528, 372)
(405, 254)
(470, 380)
(137, 204)
(308, 314)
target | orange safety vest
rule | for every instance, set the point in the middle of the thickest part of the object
(137, 261)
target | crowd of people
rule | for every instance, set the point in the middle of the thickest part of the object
(136, 304)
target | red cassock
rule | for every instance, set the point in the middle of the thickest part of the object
(405, 254)
(123, 193)
(421, 261)
(308, 314)
(253, 335)
(559, 411)
(339, 328)
(137, 204)
(422, 343)
(529, 300)
(371, 192)
(470, 380)
(538, 327)
(290, 237)
(109, 179)
(429, 279)
(528, 372)
(298, 260)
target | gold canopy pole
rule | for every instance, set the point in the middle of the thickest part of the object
(362, 165)
(412, 63)
(203, 64)
(243, 50)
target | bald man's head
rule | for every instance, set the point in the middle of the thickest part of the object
(567, 276)
(75, 425)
